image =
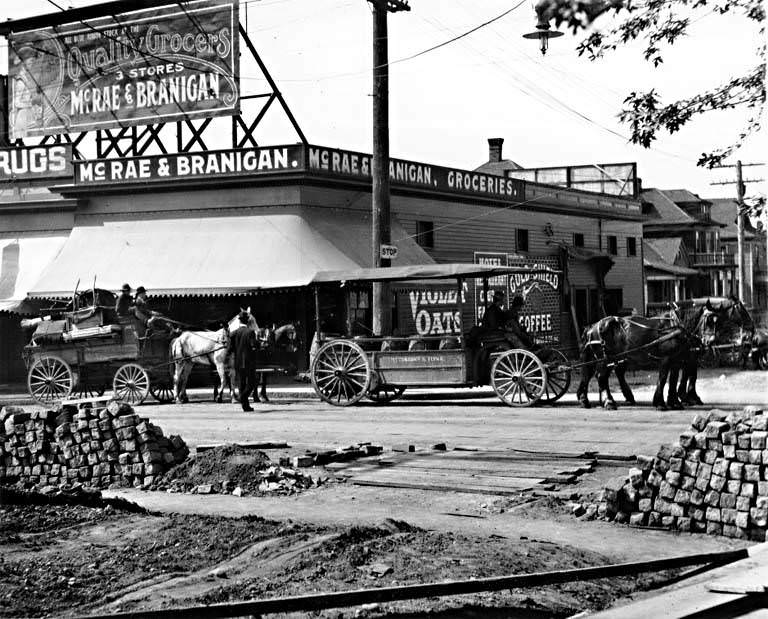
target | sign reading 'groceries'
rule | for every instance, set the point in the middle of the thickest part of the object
(403, 173)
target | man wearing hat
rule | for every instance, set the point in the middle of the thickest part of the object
(124, 302)
(244, 346)
(494, 316)
(517, 333)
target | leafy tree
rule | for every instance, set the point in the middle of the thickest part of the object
(657, 23)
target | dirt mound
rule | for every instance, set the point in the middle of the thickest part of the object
(233, 469)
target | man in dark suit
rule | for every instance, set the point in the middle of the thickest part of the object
(124, 302)
(244, 345)
(494, 316)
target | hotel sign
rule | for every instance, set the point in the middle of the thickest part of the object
(179, 166)
(155, 65)
(410, 174)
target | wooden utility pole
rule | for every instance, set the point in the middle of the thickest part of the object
(740, 190)
(380, 218)
(740, 228)
(4, 107)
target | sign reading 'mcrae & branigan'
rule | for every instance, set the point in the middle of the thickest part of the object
(181, 166)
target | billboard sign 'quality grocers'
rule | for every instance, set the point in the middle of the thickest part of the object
(156, 65)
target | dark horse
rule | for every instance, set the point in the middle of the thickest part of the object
(271, 341)
(672, 340)
(736, 329)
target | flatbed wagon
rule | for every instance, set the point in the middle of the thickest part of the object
(345, 370)
(86, 349)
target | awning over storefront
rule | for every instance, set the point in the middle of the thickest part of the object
(278, 248)
(22, 260)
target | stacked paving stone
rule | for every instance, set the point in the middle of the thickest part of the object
(714, 480)
(99, 447)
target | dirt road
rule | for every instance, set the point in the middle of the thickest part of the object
(338, 536)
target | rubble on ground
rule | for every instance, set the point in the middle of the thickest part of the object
(98, 446)
(233, 469)
(713, 480)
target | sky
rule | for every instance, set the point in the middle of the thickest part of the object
(558, 109)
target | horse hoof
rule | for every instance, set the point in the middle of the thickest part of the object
(676, 407)
(631, 402)
(585, 404)
(610, 406)
(661, 407)
(264, 399)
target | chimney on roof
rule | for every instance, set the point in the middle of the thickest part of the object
(494, 149)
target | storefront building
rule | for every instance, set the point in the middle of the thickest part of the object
(208, 233)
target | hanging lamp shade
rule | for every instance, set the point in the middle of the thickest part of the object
(543, 32)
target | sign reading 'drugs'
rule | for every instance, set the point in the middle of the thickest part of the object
(52, 161)
(244, 162)
(148, 66)
(411, 174)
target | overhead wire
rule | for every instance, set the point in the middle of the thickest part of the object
(545, 97)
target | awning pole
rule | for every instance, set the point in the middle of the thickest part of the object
(317, 311)
(459, 290)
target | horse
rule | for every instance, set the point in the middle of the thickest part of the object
(672, 339)
(724, 321)
(271, 340)
(206, 348)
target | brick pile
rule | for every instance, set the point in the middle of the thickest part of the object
(99, 447)
(714, 480)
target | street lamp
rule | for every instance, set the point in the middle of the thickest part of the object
(543, 33)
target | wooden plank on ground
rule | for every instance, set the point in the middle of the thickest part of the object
(439, 487)
(519, 467)
(473, 480)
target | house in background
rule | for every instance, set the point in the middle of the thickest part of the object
(684, 255)
(600, 252)
(725, 211)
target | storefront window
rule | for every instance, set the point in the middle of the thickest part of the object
(631, 246)
(578, 239)
(522, 239)
(613, 245)
(425, 234)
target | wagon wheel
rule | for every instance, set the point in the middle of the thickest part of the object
(558, 374)
(131, 384)
(518, 377)
(385, 393)
(50, 380)
(341, 373)
(163, 392)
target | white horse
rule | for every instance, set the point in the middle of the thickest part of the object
(206, 348)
